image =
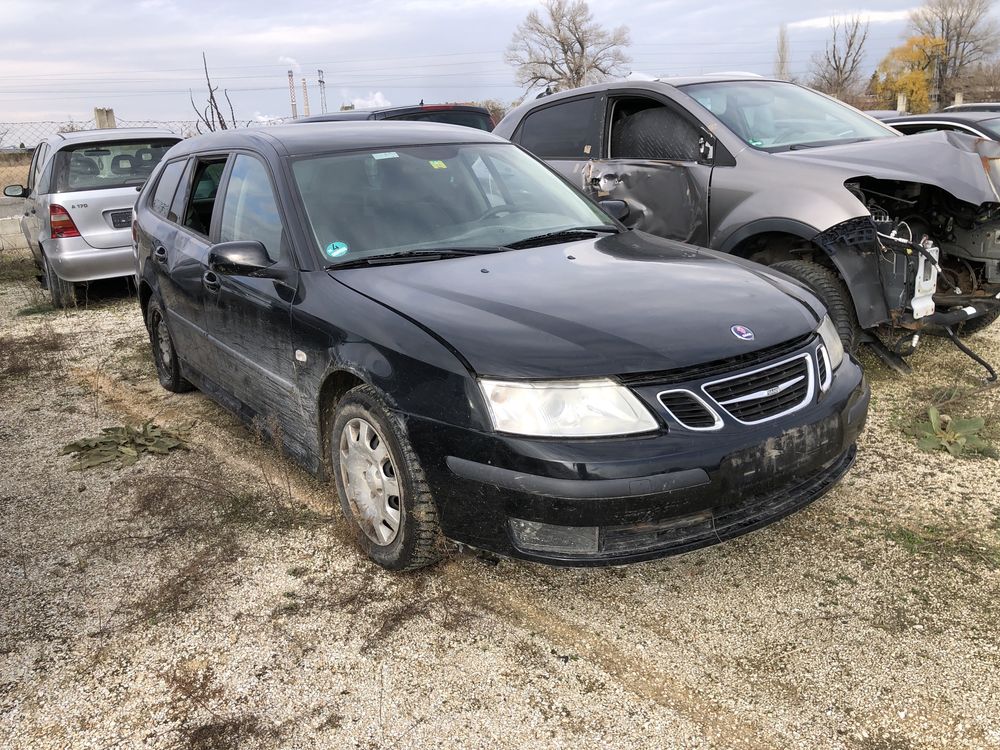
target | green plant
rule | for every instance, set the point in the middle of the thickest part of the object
(126, 444)
(955, 435)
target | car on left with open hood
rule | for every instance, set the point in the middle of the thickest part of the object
(476, 353)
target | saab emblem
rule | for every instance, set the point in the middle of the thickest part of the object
(742, 332)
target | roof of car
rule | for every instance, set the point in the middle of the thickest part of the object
(973, 107)
(113, 134)
(961, 117)
(360, 114)
(319, 137)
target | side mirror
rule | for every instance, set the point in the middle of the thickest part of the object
(240, 258)
(615, 208)
(15, 191)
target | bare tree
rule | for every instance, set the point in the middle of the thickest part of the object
(781, 66)
(564, 47)
(211, 116)
(838, 70)
(970, 36)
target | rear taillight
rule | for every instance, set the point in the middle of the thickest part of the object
(61, 223)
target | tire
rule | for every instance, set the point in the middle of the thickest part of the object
(832, 292)
(168, 366)
(381, 485)
(62, 292)
(969, 327)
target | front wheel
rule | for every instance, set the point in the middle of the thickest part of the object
(168, 366)
(382, 489)
(832, 292)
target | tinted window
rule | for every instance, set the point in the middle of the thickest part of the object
(107, 164)
(165, 189)
(646, 129)
(476, 120)
(250, 211)
(560, 130)
(205, 186)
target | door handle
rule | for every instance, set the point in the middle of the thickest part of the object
(160, 255)
(605, 182)
(210, 281)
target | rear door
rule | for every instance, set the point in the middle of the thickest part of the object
(658, 158)
(249, 319)
(566, 135)
(97, 183)
(180, 254)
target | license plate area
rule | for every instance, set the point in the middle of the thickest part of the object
(121, 219)
(793, 453)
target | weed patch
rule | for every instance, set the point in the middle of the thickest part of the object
(949, 543)
(126, 444)
(21, 356)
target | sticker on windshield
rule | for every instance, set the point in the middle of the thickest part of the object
(756, 142)
(438, 164)
(336, 249)
(386, 155)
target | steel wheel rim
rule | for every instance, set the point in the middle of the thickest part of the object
(162, 341)
(371, 482)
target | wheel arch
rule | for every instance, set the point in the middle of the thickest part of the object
(336, 383)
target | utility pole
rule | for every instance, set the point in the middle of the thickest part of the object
(322, 92)
(291, 94)
(104, 117)
(305, 97)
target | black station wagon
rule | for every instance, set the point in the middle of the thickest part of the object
(478, 354)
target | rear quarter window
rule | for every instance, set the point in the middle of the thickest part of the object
(559, 130)
(106, 164)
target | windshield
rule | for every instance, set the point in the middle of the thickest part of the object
(482, 195)
(777, 116)
(107, 164)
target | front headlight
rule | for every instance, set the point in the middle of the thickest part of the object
(565, 408)
(831, 339)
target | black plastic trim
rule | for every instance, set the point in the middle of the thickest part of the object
(577, 488)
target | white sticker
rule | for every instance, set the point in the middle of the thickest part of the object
(386, 155)
(969, 310)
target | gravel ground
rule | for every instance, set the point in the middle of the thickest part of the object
(212, 599)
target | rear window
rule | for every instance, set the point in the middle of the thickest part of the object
(478, 120)
(107, 164)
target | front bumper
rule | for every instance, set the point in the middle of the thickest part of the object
(637, 498)
(74, 260)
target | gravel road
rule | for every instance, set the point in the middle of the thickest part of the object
(212, 598)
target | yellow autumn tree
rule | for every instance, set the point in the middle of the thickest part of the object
(909, 69)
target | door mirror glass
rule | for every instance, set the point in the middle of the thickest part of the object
(240, 258)
(615, 208)
(15, 191)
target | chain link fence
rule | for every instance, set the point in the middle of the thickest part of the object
(19, 139)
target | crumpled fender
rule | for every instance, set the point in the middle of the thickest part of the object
(963, 165)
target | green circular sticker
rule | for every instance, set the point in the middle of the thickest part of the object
(336, 249)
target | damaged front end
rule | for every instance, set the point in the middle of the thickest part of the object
(902, 281)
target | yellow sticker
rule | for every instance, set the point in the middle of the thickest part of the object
(438, 164)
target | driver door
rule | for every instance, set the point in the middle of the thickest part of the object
(658, 159)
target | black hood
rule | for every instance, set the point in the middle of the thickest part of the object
(620, 304)
(962, 165)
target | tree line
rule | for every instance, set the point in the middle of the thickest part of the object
(950, 47)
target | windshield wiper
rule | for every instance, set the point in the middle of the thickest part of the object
(411, 256)
(562, 235)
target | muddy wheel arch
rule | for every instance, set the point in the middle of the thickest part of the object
(857, 269)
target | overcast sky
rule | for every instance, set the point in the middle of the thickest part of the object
(60, 59)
